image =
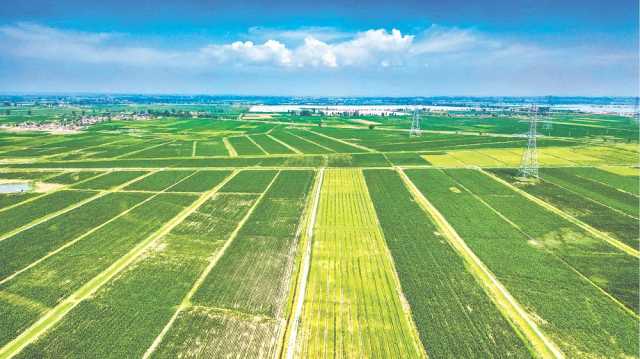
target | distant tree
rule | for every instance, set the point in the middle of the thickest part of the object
(372, 126)
(29, 112)
(7, 112)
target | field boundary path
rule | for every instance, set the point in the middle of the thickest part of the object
(570, 190)
(186, 301)
(55, 315)
(124, 155)
(55, 214)
(293, 321)
(92, 230)
(571, 267)
(79, 150)
(229, 147)
(257, 145)
(61, 188)
(312, 142)
(505, 302)
(341, 141)
(598, 234)
(297, 151)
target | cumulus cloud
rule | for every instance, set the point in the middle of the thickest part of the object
(310, 47)
(298, 35)
(271, 52)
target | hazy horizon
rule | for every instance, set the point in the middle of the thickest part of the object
(338, 49)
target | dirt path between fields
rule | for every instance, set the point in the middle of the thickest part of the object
(292, 324)
(186, 301)
(69, 208)
(507, 305)
(595, 232)
(51, 318)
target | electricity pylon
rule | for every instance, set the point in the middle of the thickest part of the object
(529, 165)
(415, 125)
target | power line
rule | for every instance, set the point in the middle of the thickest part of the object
(529, 165)
(415, 131)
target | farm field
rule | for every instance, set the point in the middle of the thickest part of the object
(352, 303)
(216, 232)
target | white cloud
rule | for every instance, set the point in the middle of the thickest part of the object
(296, 36)
(310, 47)
(270, 52)
(315, 53)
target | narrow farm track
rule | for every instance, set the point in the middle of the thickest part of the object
(229, 147)
(352, 305)
(594, 200)
(342, 141)
(287, 346)
(510, 308)
(186, 302)
(51, 318)
(72, 207)
(140, 150)
(311, 142)
(295, 150)
(599, 234)
(65, 187)
(92, 230)
(573, 269)
(608, 185)
(257, 145)
(80, 150)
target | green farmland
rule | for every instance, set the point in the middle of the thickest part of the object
(233, 235)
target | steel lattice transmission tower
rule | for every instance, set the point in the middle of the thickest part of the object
(415, 124)
(529, 165)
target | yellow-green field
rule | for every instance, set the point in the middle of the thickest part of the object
(353, 306)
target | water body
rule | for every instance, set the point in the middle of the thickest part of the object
(17, 187)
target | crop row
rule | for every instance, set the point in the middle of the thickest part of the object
(253, 275)
(244, 147)
(72, 177)
(23, 214)
(299, 143)
(592, 189)
(44, 237)
(201, 181)
(28, 175)
(264, 161)
(568, 307)
(454, 316)
(629, 183)
(358, 160)
(270, 145)
(624, 228)
(109, 180)
(239, 306)
(57, 276)
(211, 148)
(124, 317)
(249, 181)
(169, 149)
(608, 267)
(352, 304)
(336, 146)
(158, 181)
(119, 149)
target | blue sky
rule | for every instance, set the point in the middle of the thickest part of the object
(327, 48)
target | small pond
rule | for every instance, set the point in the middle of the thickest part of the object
(15, 187)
